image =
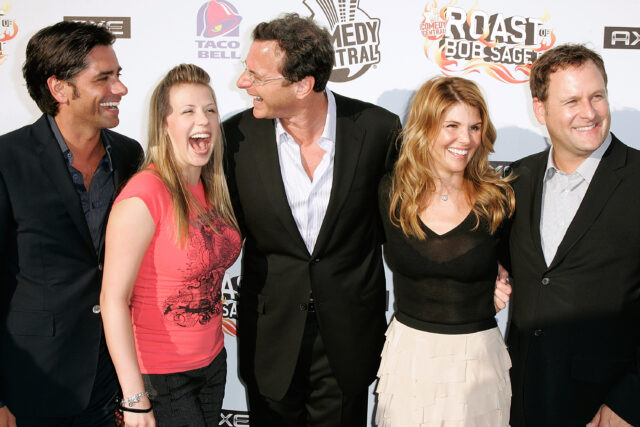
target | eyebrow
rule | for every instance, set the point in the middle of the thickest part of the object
(109, 72)
(211, 104)
(249, 70)
(458, 123)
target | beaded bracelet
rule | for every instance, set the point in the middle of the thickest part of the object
(134, 399)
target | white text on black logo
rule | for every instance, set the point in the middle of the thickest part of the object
(621, 38)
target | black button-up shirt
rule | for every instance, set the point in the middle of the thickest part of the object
(96, 201)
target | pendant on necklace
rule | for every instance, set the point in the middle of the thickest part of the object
(444, 197)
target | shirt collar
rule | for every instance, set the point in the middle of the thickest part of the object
(66, 152)
(328, 136)
(588, 168)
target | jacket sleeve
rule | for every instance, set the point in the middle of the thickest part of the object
(394, 144)
(231, 146)
(5, 282)
(624, 396)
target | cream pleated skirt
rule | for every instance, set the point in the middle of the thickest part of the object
(438, 380)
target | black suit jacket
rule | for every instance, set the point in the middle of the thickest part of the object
(345, 270)
(50, 274)
(574, 336)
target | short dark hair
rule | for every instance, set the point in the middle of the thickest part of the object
(558, 58)
(307, 47)
(59, 50)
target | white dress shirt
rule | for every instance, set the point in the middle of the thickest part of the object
(308, 198)
(562, 195)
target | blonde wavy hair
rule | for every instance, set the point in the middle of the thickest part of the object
(413, 179)
(160, 154)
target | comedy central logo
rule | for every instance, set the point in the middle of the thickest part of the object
(354, 35)
(230, 286)
(463, 41)
(8, 30)
(218, 29)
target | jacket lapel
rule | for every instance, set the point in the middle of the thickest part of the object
(116, 160)
(536, 186)
(261, 137)
(349, 140)
(53, 165)
(604, 182)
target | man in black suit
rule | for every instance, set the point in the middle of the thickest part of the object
(304, 166)
(58, 178)
(574, 336)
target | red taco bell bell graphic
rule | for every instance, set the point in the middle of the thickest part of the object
(216, 18)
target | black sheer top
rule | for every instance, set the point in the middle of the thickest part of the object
(443, 284)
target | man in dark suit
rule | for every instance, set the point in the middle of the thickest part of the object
(574, 336)
(58, 178)
(304, 166)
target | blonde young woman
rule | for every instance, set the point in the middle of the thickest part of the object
(444, 362)
(171, 235)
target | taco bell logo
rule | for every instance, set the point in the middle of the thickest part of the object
(218, 29)
(216, 18)
(354, 35)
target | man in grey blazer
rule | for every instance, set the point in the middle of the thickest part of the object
(303, 167)
(58, 179)
(574, 336)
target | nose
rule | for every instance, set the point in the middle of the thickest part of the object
(201, 117)
(244, 82)
(118, 88)
(588, 111)
(464, 135)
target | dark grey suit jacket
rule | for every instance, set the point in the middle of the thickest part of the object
(345, 270)
(574, 336)
(50, 274)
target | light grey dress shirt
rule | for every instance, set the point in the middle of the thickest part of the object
(308, 198)
(562, 194)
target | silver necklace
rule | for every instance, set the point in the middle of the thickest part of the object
(445, 197)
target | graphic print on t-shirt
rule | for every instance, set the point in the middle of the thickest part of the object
(209, 254)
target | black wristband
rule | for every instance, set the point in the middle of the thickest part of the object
(136, 410)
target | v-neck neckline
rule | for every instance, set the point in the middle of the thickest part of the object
(426, 227)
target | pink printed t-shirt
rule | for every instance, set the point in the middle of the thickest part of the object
(176, 306)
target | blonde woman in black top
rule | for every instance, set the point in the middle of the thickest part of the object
(444, 361)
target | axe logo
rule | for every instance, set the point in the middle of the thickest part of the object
(230, 418)
(621, 38)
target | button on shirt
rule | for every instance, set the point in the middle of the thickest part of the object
(562, 195)
(96, 201)
(308, 199)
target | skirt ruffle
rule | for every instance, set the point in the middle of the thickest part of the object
(429, 380)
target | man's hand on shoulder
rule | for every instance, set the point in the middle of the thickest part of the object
(605, 417)
(6, 418)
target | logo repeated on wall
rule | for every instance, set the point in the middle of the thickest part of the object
(354, 35)
(218, 29)
(463, 41)
(119, 26)
(621, 38)
(8, 30)
(230, 287)
(229, 418)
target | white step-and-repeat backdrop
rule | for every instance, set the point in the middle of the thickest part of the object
(384, 51)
